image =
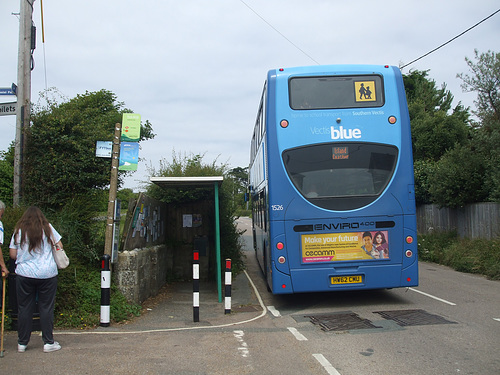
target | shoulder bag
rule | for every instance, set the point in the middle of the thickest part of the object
(60, 256)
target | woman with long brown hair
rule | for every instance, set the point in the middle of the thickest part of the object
(36, 270)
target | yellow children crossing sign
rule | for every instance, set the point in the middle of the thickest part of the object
(365, 91)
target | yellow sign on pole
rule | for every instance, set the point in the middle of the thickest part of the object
(131, 127)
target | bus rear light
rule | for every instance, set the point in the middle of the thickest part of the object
(283, 286)
(284, 123)
(281, 259)
(392, 120)
(408, 279)
(409, 239)
(409, 253)
(280, 245)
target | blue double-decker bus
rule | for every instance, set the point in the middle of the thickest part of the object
(331, 180)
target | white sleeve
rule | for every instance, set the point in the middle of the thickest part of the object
(55, 234)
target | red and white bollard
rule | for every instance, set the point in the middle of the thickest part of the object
(196, 286)
(105, 291)
(227, 288)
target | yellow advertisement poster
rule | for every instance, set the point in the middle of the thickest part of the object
(365, 91)
(331, 247)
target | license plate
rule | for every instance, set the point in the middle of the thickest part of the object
(346, 279)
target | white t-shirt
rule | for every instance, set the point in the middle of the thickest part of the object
(38, 264)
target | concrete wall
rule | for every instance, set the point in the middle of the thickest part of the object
(140, 273)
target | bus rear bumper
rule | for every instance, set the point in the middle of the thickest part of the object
(351, 278)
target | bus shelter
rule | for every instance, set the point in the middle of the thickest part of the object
(197, 182)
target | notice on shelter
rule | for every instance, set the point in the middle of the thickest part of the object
(187, 221)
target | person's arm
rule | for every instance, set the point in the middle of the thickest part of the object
(13, 253)
(2, 264)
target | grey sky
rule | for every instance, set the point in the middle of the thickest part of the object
(195, 69)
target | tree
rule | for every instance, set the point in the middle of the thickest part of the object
(457, 161)
(60, 160)
(458, 178)
(238, 177)
(436, 128)
(6, 175)
(424, 170)
(485, 80)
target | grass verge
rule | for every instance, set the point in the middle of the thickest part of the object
(478, 256)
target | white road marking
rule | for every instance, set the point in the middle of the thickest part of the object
(243, 348)
(299, 336)
(497, 319)
(433, 297)
(273, 311)
(326, 365)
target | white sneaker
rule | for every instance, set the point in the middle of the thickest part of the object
(47, 348)
(21, 348)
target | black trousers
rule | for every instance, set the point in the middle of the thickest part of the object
(27, 291)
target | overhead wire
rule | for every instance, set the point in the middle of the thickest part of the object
(279, 32)
(401, 67)
(451, 40)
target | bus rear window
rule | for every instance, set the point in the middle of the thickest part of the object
(335, 92)
(341, 176)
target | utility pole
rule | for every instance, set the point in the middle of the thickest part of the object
(23, 91)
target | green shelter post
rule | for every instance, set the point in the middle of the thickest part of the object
(217, 242)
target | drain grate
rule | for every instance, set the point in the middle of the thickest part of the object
(413, 317)
(340, 322)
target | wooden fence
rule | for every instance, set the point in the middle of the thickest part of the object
(479, 220)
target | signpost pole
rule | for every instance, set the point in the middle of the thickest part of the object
(113, 187)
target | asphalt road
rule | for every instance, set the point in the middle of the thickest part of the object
(459, 332)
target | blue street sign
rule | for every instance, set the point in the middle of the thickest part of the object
(6, 91)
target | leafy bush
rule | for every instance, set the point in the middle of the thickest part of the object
(83, 234)
(6, 175)
(78, 299)
(465, 255)
(458, 178)
(430, 246)
(423, 170)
